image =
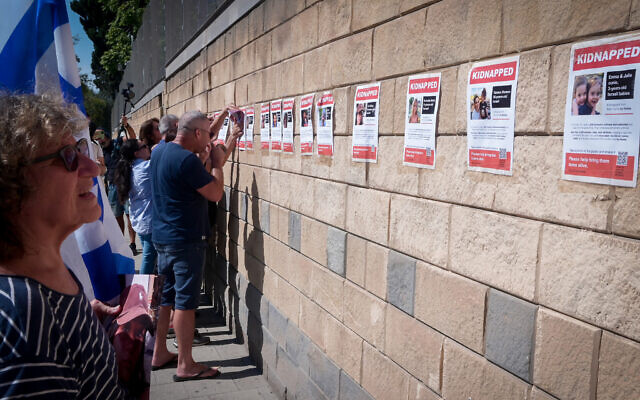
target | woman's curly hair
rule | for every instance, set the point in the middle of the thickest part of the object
(28, 124)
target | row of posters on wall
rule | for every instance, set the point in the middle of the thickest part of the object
(602, 125)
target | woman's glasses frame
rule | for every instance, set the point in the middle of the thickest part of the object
(68, 154)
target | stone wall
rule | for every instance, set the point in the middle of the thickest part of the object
(357, 281)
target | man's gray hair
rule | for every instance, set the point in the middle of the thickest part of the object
(168, 123)
(186, 122)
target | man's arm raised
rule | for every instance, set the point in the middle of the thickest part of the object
(214, 190)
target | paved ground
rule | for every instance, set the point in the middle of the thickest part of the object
(240, 379)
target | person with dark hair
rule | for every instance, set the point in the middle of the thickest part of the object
(149, 133)
(53, 345)
(133, 183)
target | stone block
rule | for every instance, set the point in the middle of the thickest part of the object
(312, 317)
(462, 104)
(276, 11)
(219, 97)
(336, 250)
(415, 346)
(351, 59)
(299, 271)
(272, 81)
(418, 391)
(324, 373)
(509, 333)
(343, 111)
(531, 95)
(329, 202)
(420, 228)
(281, 183)
(317, 73)
(566, 356)
(368, 213)
(292, 79)
(350, 390)
(560, 63)
(536, 190)
(539, 394)
(626, 218)
(532, 24)
(618, 376)
(265, 215)
(270, 284)
(634, 17)
(344, 347)
(452, 304)
(451, 181)
(256, 22)
(387, 98)
(499, 250)
(220, 73)
(263, 52)
(334, 19)
(389, 173)
(578, 269)
(401, 276)
(314, 240)
(327, 290)
(277, 324)
(297, 346)
(342, 168)
(392, 56)
(376, 269)
(201, 83)
(467, 375)
(367, 13)
(375, 365)
(288, 300)
(294, 230)
(305, 30)
(356, 261)
(269, 347)
(480, 38)
(364, 314)
(244, 206)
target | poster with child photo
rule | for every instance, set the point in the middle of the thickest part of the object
(602, 125)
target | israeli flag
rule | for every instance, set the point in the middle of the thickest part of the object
(36, 56)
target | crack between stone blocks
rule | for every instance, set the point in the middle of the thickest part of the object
(450, 217)
(595, 366)
(536, 290)
(612, 196)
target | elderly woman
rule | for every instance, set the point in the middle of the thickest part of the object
(52, 343)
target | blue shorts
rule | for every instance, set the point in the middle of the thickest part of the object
(181, 265)
(117, 208)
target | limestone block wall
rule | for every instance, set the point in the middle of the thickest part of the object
(358, 281)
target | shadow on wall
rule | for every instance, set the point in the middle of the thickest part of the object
(237, 298)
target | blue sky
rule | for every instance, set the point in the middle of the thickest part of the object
(84, 47)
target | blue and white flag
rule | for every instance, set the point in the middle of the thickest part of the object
(37, 56)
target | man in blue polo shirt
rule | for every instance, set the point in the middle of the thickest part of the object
(182, 185)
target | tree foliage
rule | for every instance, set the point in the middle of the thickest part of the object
(111, 25)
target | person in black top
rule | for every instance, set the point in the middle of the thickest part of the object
(53, 345)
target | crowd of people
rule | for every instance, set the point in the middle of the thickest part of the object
(162, 181)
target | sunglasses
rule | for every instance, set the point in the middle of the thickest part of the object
(68, 154)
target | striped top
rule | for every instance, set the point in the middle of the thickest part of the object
(52, 346)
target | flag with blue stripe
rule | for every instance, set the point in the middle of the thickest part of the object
(37, 56)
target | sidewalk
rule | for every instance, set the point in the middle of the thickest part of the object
(240, 379)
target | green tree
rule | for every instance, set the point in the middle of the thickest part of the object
(111, 25)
